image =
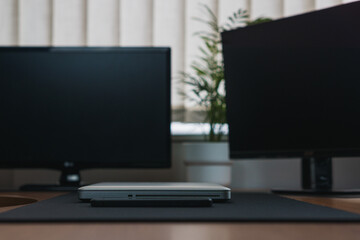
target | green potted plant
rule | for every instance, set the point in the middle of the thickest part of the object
(208, 161)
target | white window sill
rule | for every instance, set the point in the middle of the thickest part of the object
(192, 131)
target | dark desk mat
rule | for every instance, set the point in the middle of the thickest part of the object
(244, 207)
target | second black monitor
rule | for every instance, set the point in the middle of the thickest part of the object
(84, 107)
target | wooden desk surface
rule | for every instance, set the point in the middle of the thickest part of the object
(174, 231)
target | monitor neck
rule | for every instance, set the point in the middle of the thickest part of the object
(317, 173)
(70, 175)
(69, 181)
(317, 179)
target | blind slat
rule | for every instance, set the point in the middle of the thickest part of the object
(8, 22)
(136, 22)
(294, 7)
(268, 8)
(103, 23)
(169, 30)
(69, 22)
(349, 1)
(193, 9)
(320, 4)
(34, 22)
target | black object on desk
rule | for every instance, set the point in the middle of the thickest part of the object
(151, 202)
(316, 115)
(70, 103)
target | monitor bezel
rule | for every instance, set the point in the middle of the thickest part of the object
(281, 154)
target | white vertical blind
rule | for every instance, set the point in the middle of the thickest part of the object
(132, 23)
(227, 7)
(69, 22)
(136, 18)
(293, 7)
(102, 23)
(8, 22)
(169, 30)
(267, 8)
(320, 4)
(194, 8)
(35, 22)
(349, 1)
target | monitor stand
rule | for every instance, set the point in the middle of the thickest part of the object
(69, 181)
(317, 179)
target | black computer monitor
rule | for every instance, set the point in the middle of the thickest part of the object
(294, 94)
(75, 108)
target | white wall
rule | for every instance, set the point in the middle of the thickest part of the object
(246, 174)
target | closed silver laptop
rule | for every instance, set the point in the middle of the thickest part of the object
(160, 190)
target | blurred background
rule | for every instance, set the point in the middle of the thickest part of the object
(151, 23)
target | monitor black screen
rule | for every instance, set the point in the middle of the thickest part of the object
(92, 107)
(293, 91)
(293, 101)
